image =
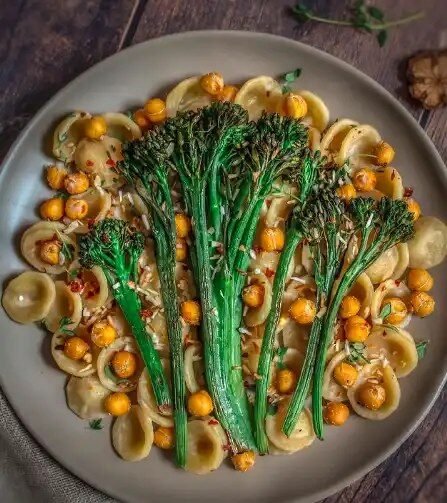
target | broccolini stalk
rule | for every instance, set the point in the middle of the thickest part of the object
(380, 225)
(113, 246)
(145, 167)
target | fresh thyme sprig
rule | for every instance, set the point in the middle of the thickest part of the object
(367, 18)
(289, 78)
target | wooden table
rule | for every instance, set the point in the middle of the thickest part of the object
(44, 44)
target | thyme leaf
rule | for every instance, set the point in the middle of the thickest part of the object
(421, 348)
(96, 424)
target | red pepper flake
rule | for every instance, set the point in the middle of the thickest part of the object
(90, 222)
(269, 272)
(384, 333)
(268, 203)
(339, 332)
(226, 447)
(76, 285)
(110, 162)
(397, 282)
(89, 163)
(213, 422)
(408, 191)
(146, 313)
(220, 249)
(257, 249)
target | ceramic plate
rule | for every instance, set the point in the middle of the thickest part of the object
(34, 386)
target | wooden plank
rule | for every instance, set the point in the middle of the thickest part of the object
(44, 46)
(436, 127)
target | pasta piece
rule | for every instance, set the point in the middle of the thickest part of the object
(386, 378)
(194, 369)
(396, 345)
(85, 396)
(389, 288)
(46, 231)
(133, 435)
(363, 289)
(90, 283)
(317, 112)
(314, 139)
(428, 247)
(146, 398)
(257, 315)
(332, 391)
(383, 268)
(280, 206)
(66, 305)
(303, 286)
(333, 137)
(105, 374)
(185, 283)
(205, 447)
(121, 127)
(187, 95)
(295, 336)
(116, 318)
(252, 351)
(67, 135)
(358, 147)
(301, 437)
(267, 262)
(99, 203)
(402, 262)
(293, 359)
(29, 297)
(258, 95)
(78, 368)
(389, 182)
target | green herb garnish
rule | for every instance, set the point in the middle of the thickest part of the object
(386, 311)
(64, 322)
(272, 408)
(289, 78)
(357, 353)
(421, 348)
(96, 424)
(281, 353)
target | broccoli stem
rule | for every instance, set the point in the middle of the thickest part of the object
(293, 238)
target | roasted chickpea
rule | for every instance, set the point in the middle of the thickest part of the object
(272, 239)
(346, 192)
(95, 127)
(365, 180)
(356, 329)
(55, 177)
(124, 364)
(76, 209)
(413, 207)
(49, 251)
(182, 225)
(76, 183)
(164, 437)
(117, 404)
(336, 413)
(181, 250)
(228, 93)
(155, 110)
(420, 280)
(75, 347)
(141, 119)
(243, 461)
(52, 209)
(190, 311)
(212, 83)
(253, 295)
(422, 303)
(345, 374)
(398, 310)
(371, 395)
(303, 311)
(285, 381)
(350, 306)
(200, 403)
(103, 334)
(295, 106)
(384, 153)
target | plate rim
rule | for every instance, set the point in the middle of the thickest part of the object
(386, 452)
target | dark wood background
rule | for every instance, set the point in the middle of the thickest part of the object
(44, 44)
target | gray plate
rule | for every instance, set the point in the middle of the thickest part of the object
(35, 387)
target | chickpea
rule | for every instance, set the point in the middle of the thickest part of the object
(350, 306)
(75, 347)
(55, 177)
(103, 334)
(346, 192)
(365, 180)
(336, 413)
(52, 209)
(76, 183)
(413, 207)
(117, 404)
(212, 83)
(95, 127)
(285, 381)
(228, 93)
(345, 374)
(272, 239)
(140, 118)
(295, 106)
(124, 364)
(356, 329)
(253, 295)
(371, 396)
(191, 312)
(398, 310)
(49, 252)
(384, 153)
(243, 461)
(164, 437)
(76, 209)
(182, 225)
(181, 250)
(155, 110)
(422, 304)
(200, 403)
(420, 280)
(303, 311)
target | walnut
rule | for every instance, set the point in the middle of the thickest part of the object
(427, 74)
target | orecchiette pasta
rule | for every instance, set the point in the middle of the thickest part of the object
(358, 146)
(85, 396)
(146, 399)
(389, 288)
(259, 94)
(78, 368)
(331, 389)
(67, 135)
(205, 448)
(428, 247)
(194, 369)
(317, 112)
(186, 95)
(66, 305)
(332, 138)
(257, 315)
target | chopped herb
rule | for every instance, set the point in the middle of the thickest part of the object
(113, 377)
(129, 114)
(62, 137)
(357, 353)
(61, 195)
(421, 348)
(288, 78)
(280, 353)
(271, 409)
(73, 273)
(96, 424)
(63, 324)
(391, 327)
(67, 251)
(386, 311)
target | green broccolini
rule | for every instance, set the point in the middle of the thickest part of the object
(114, 247)
(146, 168)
